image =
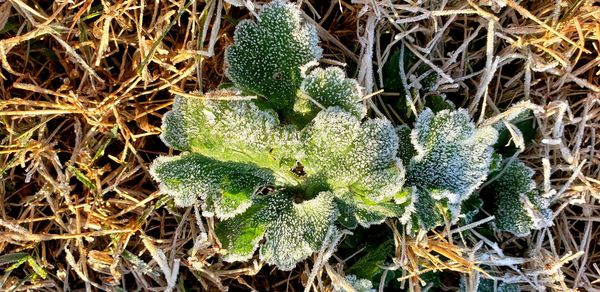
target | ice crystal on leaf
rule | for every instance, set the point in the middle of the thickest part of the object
(359, 285)
(453, 156)
(226, 188)
(291, 231)
(348, 154)
(355, 210)
(329, 87)
(428, 212)
(518, 206)
(339, 166)
(267, 54)
(234, 130)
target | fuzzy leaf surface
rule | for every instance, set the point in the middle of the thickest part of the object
(453, 156)
(329, 87)
(232, 130)
(292, 232)
(518, 207)
(226, 188)
(348, 154)
(355, 210)
(267, 54)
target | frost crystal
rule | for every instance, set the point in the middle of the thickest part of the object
(427, 210)
(518, 207)
(226, 188)
(329, 87)
(346, 153)
(292, 231)
(267, 55)
(359, 285)
(453, 156)
(356, 210)
(230, 130)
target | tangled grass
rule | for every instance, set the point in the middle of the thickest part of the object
(85, 83)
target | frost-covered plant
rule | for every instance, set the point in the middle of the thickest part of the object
(359, 285)
(450, 158)
(268, 54)
(518, 206)
(285, 170)
(279, 186)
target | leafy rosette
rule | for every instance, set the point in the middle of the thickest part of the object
(267, 55)
(279, 169)
(517, 206)
(452, 160)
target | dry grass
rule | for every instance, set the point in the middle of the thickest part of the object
(84, 84)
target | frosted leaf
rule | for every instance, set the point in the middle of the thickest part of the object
(438, 103)
(226, 188)
(428, 212)
(346, 153)
(406, 150)
(267, 54)
(298, 231)
(241, 235)
(230, 130)
(518, 207)
(329, 87)
(359, 285)
(355, 209)
(453, 156)
(292, 231)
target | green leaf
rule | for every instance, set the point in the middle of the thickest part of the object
(393, 83)
(267, 54)
(240, 235)
(453, 156)
(369, 265)
(105, 141)
(233, 130)
(139, 264)
(227, 188)
(37, 268)
(470, 208)
(406, 150)
(438, 103)
(298, 231)
(13, 258)
(356, 210)
(525, 126)
(510, 190)
(81, 177)
(292, 231)
(329, 87)
(428, 211)
(348, 154)
(391, 72)
(359, 285)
